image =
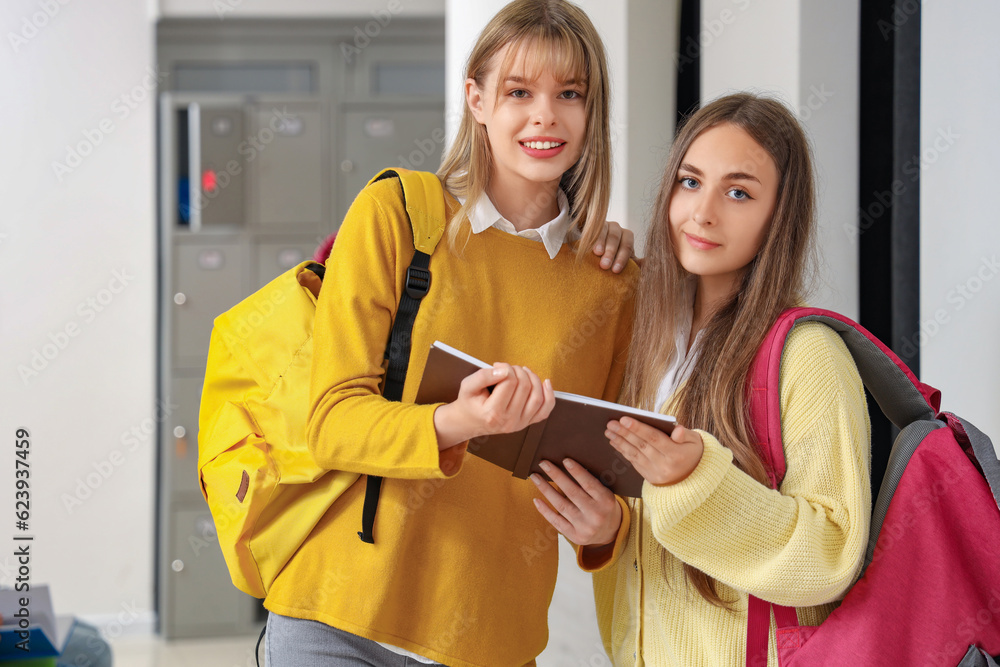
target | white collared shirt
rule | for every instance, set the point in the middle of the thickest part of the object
(685, 359)
(483, 215)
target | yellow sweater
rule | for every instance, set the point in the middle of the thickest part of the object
(463, 566)
(802, 547)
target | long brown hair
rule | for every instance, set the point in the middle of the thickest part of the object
(556, 36)
(714, 396)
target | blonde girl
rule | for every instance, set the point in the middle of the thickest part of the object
(528, 181)
(727, 254)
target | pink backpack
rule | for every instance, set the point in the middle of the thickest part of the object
(930, 590)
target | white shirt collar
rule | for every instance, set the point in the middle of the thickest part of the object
(483, 215)
(684, 359)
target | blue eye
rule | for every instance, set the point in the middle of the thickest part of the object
(687, 182)
(740, 195)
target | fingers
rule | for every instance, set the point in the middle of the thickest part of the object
(548, 402)
(535, 396)
(484, 378)
(642, 431)
(602, 241)
(587, 482)
(612, 244)
(563, 513)
(620, 437)
(532, 400)
(556, 497)
(558, 522)
(633, 452)
(521, 392)
(625, 249)
(521, 399)
(639, 443)
(661, 459)
(581, 508)
(504, 388)
(569, 487)
(686, 436)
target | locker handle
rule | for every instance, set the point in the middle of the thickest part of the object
(180, 442)
(194, 166)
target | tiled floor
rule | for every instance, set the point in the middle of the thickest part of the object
(138, 651)
(573, 636)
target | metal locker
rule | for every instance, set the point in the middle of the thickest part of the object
(266, 136)
(377, 137)
(222, 176)
(198, 581)
(179, 460)
(288, 168)
(274, 257)
(210, 277)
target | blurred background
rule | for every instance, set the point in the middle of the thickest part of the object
(164, 158)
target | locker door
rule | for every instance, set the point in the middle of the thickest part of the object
(199, 587)
(274, 257)
(286, 155)
(180, 445)
(222, 192)
(378, 137)
(209, 278)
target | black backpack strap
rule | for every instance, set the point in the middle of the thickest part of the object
(318, 269)
(397, 352)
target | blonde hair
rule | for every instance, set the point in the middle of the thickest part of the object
(714, 396)
(562, 40)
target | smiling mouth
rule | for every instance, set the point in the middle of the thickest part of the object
(700, 243)
(542, 145)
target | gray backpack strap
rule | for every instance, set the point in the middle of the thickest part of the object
(893, 389)
(897, 394)
(976, 658)
(985, 453)
(902, 450)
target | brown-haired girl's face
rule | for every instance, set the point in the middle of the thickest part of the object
(722, 203)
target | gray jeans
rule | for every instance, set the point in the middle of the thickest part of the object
(296, 642)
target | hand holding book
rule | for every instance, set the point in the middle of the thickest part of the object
(574, 429)
(582, 509)
(661, 459)
(500, 399)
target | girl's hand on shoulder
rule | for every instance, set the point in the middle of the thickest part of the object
(661, 459)
(518, 399)
(615, 245)
(582, 508)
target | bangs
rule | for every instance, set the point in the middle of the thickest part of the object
(546, 49)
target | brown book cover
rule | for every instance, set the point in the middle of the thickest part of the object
(574, 429)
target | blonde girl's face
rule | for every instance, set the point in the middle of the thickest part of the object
(536, 125)
(722, 202)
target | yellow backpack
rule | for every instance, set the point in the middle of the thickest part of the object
(265, 491)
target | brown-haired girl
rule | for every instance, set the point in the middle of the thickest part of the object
(445, 580)
(727, 254)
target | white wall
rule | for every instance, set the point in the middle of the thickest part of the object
(78, 270)
(651, 32)
(287, 9)
(803, 52)
(959, 223)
